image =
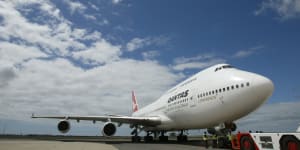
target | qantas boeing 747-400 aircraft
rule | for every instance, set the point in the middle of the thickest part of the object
(213, 98)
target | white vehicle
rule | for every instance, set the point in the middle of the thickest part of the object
(266, 141)
(213, 98)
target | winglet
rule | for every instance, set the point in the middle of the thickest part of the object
(32, 115)
(135, 107)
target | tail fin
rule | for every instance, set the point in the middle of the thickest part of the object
(135, 107)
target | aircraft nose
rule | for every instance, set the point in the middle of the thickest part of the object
(264, 86)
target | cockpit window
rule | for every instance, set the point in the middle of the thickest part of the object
(223, 67)
(227, 66)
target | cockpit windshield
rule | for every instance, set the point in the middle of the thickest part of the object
(223, 67)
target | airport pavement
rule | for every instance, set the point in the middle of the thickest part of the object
(144, 146)
(52, 145)
(31, 144)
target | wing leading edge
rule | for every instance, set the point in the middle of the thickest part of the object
(146, 121)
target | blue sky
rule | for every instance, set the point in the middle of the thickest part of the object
(84, 57)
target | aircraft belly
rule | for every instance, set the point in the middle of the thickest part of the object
(196, 116)
(218, 109)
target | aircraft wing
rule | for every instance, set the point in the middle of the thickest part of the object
(146, 121)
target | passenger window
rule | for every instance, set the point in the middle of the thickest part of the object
(213, 92)
(209, 92)
(216, 91)
(232, 87)
(228, 88)
(224, 89)
(237, 86)
(248, 84)
(220, 90)
(242, 85)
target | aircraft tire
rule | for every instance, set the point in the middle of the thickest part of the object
(288, 142)
(182, 138)
(135, 139)
(247, 143)
(148, 139)
(163, 138)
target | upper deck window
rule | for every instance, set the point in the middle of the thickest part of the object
(223, 67)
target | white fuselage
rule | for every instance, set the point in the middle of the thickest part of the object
(219, 94)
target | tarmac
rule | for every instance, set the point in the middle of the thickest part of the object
(62, 143)
(52, 145)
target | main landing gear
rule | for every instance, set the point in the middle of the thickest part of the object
(135, 138)
(162, 137)
(148, 138)
(181, 137)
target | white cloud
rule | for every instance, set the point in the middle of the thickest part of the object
(150, 54)
(93, 36)
(138, 43)
(57, 86)
(116, 1)
(285, 9)
(276, 117)
(90, 17)
(197, 62)
(100, 52)
(247, 52)
(75, 6)
(243, 53)
(181, 60)
(11, 53)
(94, 6)
(135, 44)
(55, 37)
(6, 75)
(197, 65)
(105, 22)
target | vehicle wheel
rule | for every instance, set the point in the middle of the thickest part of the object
(135, 139)
(185, 138)
(289, 143)
(148, 139)
(247, 143)
(182, 138)
(221, 142)
(163, 139)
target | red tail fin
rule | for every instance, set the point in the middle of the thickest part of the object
(135, 107)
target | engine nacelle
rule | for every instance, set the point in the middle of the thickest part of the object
(109, 129)
(222, 129)
(63, 126)
(231, 126)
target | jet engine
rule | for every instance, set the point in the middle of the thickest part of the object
(109, 129)
(232, 126)
(222, 129)
(63, 126)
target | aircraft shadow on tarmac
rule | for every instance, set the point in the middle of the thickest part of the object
(113, 141)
